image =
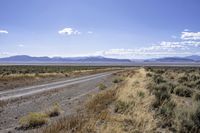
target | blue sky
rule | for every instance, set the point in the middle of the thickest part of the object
(111, 28)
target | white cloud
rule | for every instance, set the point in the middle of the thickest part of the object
(3, 32)
(90, 32)
(4, 53)
(132, 53)
(191, 43)
(186, 30)
(20, 45)
(69, 31)
(190, 35)
(169, 45)
(188, 45)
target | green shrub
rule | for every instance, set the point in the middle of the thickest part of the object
(141, 94)
(167, 108)
(158, 79)
(172, 86)
(167, 113)
(161, 93)
(183, 91)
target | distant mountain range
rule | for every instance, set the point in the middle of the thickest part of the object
(89, 59)
(193, 58)
(93, 59)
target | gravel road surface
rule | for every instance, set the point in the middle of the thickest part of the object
(70, 94)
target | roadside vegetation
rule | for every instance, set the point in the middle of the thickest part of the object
(177, 95)
(150, 99)
(102, 86)
(38, 119)
(122, 108)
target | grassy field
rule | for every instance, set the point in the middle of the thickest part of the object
(7, 70)
(151, 99)
(12, 77)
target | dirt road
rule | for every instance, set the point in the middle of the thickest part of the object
(70, 94)
(23, 92)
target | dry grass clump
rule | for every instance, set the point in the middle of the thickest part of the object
(38, 119)
(73, 123)
(122, 106)
(102, 86)
(33, 120)
(77, 123)
(55, 110)
(11, 77)
(101, 101)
